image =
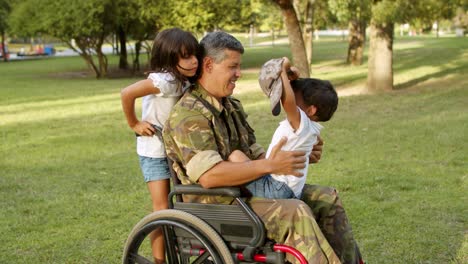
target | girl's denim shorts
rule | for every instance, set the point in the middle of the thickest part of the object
(154, 169)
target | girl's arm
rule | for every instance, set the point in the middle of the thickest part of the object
(128, 96)
(288, 100)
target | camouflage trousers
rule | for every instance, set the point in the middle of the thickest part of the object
(317, 225)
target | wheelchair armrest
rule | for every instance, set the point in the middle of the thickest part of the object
(234, 192)
(199, 190)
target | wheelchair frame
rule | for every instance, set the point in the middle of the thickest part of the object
(207, 233)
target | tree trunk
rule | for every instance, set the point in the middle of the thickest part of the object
(102, 59)
(136, 61)
(309, 30)
(4, 53)
(90, 62)
(83, 52)
(123, 62)
(380, 75)
(357, 40)
(296, 41)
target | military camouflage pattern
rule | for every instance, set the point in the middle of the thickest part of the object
(198, 123)
(291, 222)
(331, 217)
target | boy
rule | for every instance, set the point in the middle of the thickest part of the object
(306, 102)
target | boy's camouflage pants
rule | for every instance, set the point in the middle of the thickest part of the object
(317, 225)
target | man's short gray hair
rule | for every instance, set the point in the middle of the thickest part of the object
(214, 44)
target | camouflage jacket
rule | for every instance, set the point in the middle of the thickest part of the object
(201, 132)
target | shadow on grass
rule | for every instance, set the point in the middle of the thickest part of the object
(440, 74)
(448, 56)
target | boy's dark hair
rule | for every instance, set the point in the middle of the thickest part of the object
(319, 93)
(168, 46)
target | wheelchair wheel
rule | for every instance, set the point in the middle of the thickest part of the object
(213, 248)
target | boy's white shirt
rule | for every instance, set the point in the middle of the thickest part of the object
(155, 109)
(303, 139)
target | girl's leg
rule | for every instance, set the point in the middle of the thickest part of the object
(159, 191)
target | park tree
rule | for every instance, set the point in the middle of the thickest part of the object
(244, 18)
(202, 15)
(460, 20)
(269, 17)
(139, 20)
(153, 15)
(312, 15)
(83, 26)
(433, 11)
(385, 13)
(308, 28)
(125, 21)
(296, 41)
(5, 9)
(357, 14)
(25, 19)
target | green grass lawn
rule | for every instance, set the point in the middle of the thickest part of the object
(71, 189)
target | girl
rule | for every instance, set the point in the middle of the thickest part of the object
(173, 63)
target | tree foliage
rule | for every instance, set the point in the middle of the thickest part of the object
(85, 25)
(460, 20)
(87, 22)
(5, 9)
(203, 15)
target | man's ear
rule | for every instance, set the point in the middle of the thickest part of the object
(207, 64)
(311, 111)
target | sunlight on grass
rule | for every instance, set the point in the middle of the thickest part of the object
(408, 45)
(46, 111)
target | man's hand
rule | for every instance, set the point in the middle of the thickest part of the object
(286, 162)
(143, 128)
(316, 153)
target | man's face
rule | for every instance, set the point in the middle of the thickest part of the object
(226, 73)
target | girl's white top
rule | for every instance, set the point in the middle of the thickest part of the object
(155, 110)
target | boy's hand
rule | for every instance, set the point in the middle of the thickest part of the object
(286, 64)
(291, 71)
(143, 128)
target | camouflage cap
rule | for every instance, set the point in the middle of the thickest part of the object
(271, 83)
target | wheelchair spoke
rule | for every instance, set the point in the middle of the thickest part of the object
(201, 259)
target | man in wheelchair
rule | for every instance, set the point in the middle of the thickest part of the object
(207, 124)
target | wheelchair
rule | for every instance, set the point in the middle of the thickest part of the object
(206, 233)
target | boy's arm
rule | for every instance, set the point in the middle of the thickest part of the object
(128, 96)
(288, 100)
